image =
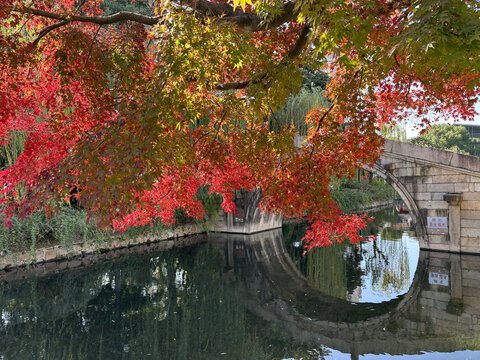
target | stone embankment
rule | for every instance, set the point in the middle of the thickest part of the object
(84, 254)
(375, 206)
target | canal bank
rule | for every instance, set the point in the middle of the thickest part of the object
(171, 237)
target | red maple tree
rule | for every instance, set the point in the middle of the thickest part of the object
(137, 111)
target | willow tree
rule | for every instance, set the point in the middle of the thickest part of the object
(111, 103)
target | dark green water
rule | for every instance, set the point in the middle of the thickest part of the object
(250, 297)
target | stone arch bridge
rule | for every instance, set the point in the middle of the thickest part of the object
(440, 188)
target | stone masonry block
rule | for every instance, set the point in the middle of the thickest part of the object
(470, 283)
(470, 205)
(471, 196)
(450, 179)
(50, 254)
(437, 239)
(472, 275)
(438, 196)
(439, 246)
(469, 242)
(469, 232)
(417, 187)
(467, 223)
(423, 196)
(462, 187)
(440, 187)
(404, 172)
(432, 204)
(471, 291)
(470, 263)
(470, 214)
(426, 179)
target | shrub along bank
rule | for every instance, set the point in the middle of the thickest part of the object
(354, 194)
(70, 226)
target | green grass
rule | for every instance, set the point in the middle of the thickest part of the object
(67, 227)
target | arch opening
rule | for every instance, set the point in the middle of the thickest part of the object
(407, 198)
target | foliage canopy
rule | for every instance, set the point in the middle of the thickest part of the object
(111, 103)
(449, 137)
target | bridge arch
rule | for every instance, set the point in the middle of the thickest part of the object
(406, 196)
(268, 252)
(445, 189)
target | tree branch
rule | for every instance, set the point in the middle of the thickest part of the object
(47, 29)
(100, 20)
(299, 44)
(294, 52)
(249, 21)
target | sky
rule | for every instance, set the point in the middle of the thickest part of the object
(411, 132)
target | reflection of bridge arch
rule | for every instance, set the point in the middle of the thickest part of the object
(418, 220)
(282, 295)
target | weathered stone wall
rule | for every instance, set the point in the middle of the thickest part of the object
(450, 306)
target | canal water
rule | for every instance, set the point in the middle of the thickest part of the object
(251, 297)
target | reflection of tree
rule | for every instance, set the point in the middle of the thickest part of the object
(387, 262)
(353, 258)
(324, 267)
(337, 270)
(173, 306)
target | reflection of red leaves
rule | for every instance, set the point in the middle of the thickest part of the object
(345, 228)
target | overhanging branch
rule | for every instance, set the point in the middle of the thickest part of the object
(249, 21)
(47, 29)
(100, 20)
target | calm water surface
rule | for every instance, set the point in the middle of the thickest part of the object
(251, 297)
